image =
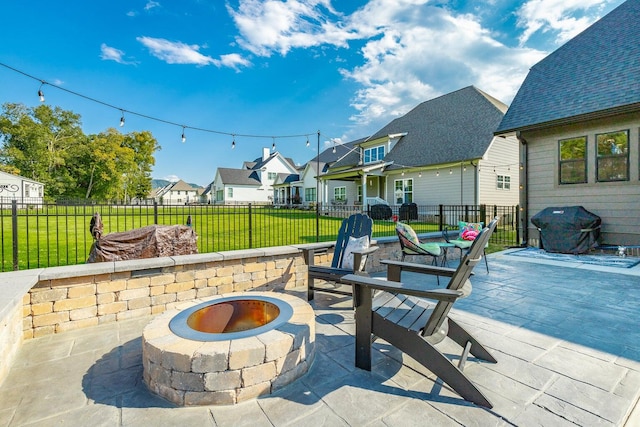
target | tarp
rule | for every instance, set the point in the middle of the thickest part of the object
(147, 242)
(569, 229)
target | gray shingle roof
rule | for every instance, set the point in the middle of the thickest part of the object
(451, 128)
(238, 176)
(595, 73)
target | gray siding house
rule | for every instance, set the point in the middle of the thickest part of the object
(577, 118)
(444, 151)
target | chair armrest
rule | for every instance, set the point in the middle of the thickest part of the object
(399, 266)
(309, 251)
(402, 288)
(367, 251)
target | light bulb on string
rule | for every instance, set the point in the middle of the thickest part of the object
(122, 119)
(41, 93)
(334, 149)
(233, 143)
(437, 173)
(307, 141)
(464, 168)
(402, 173)
(184, 138)
(450, 171)
(420, 174)
(273, 145)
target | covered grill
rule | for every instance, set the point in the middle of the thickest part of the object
(570, 229)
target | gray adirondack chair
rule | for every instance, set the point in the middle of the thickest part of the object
(401, 315)
(357, 225)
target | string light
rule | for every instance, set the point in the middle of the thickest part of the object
(184, 138)
(420, 174)
(273, 146)
(157, 119)
(450, 171)
(464, 168)
(122, 119)
(307, 140)
(402, 173)
(233, 143)
(40, 92)
(437, 173)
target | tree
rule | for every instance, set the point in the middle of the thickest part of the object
(48, 145)
(35, 142)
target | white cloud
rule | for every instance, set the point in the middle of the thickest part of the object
(151, 4)
(279, 26)
(567, 18)
(172, 178)
(175, 52)
(428, 52)
(109, 53)
(232, 60)
(182, 53)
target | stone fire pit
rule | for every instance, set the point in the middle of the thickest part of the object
(228, 349)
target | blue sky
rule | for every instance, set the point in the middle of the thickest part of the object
(270, 68)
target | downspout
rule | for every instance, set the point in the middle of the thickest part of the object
(475, 182)
(524, 188)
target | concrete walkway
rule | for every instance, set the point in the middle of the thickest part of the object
(566, 339)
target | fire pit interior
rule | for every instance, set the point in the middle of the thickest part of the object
(228, 349)
(233, 316)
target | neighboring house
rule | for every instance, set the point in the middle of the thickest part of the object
(177, 193)
(254, 182)
(306, 186)
(577, 116)
(21, 189)
(441, 152)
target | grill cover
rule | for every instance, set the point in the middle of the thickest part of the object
(568, 230)
(147, 242)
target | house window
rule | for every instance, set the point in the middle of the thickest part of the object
(503, 182)
(219, 195)
(359, 197)
(310, 194)
(272, 175)
(230, 192)
(340, 193)
(573, 160)
(403, 191)
(374, 154)
(613, 156)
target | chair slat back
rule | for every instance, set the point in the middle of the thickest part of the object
(460, 277)
(357, 225)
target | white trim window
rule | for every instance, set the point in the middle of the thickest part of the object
(340, 194)
(403, 190)
(230, 192)
(503, 182)
(374, 154)
(310, 194)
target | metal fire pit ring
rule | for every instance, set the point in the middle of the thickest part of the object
(179, 324)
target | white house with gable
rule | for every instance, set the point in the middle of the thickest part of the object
(253, 182)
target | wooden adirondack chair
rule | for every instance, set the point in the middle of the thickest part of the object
(400, 315)
(356, 226)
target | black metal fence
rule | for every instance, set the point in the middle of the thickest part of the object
(35, 235)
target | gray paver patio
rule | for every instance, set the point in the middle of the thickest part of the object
(566, 339)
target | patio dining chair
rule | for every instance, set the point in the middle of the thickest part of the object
(351, 249)
(399, 313)
(464, 244)
(411, 245)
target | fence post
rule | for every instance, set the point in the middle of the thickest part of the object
(441, 218)
(483, 214)
(517, 224)
(14, 232)
(155, 212)
(250, 229)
